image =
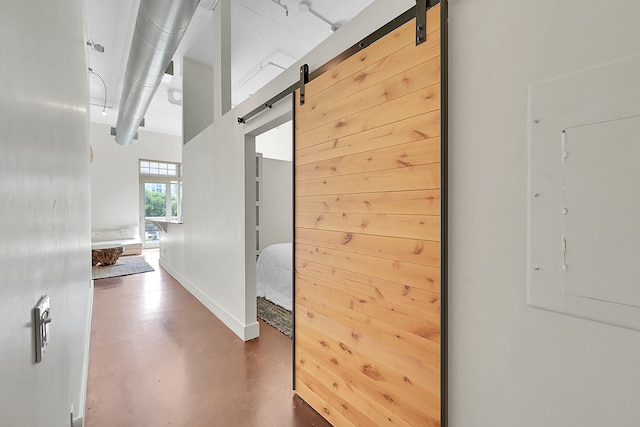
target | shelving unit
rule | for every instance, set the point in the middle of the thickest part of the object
(258, 199)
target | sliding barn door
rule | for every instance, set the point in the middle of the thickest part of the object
(367, 235)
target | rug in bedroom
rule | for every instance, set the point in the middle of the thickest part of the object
(124, 267)
(276, 316)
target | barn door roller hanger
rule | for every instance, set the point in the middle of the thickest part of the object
(421, 21)
(304, 79)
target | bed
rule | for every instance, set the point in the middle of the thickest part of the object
(274, 275)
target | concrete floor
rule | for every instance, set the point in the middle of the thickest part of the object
(160, 358)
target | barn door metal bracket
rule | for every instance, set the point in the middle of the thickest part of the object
(421, 21)
(304, 79)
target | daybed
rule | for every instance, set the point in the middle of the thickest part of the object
(129, 237)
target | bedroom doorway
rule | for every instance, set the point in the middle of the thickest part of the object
(274, 227)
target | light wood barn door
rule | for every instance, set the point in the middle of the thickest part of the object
(367, 235)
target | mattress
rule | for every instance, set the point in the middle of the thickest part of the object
(274, 274)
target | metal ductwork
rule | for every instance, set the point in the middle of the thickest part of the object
(160, 26)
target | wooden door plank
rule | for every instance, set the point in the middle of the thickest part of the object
(325, 386)
(421, 252)
(420, 276)
(364, 327)
(372, 288)
(359, 408)
(396, 40)
(418, 128)
(426, 350)
(405, 379)
(421, 227)
(413, 104)
(404, 179)
(399, 84)
(415, 202)
(409, 320)
(366, 386)
(398, 156)
(313, 363)
(408, 381)
(307, 391)
(406, 58)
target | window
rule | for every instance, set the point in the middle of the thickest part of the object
(161, 196)
(148, 167)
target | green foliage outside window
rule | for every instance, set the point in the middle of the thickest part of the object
(155, 204)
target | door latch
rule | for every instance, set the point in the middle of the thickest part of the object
(41, 321)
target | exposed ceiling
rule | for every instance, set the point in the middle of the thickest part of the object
(265, 40)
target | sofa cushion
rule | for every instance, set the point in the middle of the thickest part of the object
(128, 237)
(124, 233)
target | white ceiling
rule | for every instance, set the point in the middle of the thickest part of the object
(263, 40)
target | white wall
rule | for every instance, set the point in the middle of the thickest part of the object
(510, 364)
(276, 218)
(45, 229)
(197, 95)
(115, 192)
(276, 209)
(213, 249)
(277, 143)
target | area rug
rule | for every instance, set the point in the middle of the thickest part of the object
(125, 266)
(276, 316)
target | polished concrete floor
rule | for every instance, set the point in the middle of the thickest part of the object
(160, 358)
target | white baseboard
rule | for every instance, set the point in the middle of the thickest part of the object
(245, 332)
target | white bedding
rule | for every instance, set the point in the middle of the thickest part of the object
(274, 274)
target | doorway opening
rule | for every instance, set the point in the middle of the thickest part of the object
(269, 221)
(274, 227)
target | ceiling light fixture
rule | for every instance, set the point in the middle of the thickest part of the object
(104, 106)
(174, 97)
(305, 6)
(95, 46)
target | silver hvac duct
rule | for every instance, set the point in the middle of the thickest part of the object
(160, 26)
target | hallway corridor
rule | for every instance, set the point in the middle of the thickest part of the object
(159, 358)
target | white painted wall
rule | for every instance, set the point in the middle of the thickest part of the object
(277, 143)
(276, 209)
(197, 95)
(115, 192)
(213, 249)
(172, 246)
(276, 219)
(45, 229)
(510, 364)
